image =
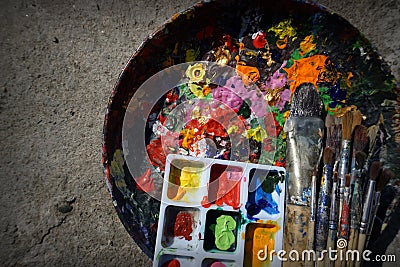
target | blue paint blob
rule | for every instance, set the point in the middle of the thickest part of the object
(252, 209)
(338, 95)
(266, 202)
(260, 200)
(278, 190)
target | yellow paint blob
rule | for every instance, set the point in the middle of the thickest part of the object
(190, 177)
(307, 45)
(283, 29)
(258, 134)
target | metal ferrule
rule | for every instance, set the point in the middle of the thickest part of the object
(375, 205)
(367, 206)
(355, 211)
(333, 211)
(347, 195)
(313, 204)
(304, 146)
(344, 164)
(345, 215)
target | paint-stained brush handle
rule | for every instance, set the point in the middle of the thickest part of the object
(296, 227)
(331, 244)
(323, 209)
(310, 242)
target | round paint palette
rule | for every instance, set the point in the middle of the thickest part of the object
(278, 45)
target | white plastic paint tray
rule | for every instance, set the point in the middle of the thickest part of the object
(193, 192)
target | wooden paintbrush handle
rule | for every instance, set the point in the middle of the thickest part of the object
(351, 243)
(310, 241)
(361, 243)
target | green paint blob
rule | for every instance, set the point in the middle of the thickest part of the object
(223, 231)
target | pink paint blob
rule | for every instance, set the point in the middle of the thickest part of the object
(228, 96)
(217, 264)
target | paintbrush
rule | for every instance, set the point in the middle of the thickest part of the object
(345, 216)
(380, 185)
(349, 121)
(384, 203)
(324, 202)
(344, 225)
(372, 133)
(333, 218)
(356, 202)
(367, 207)
(313, 211)
(360, 141)
(334, 134)
(304, 130)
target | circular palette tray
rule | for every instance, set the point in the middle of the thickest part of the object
(280, 45)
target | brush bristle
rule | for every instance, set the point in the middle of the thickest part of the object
(360, 138)
(381, 182)
(372, 132)
(329, 156)
(356, 119)
(306, 102)
(360, 160)
(334, 137)
(347, 120)
(347, 180)
(332, 120)
(374, 170)
(329, 121)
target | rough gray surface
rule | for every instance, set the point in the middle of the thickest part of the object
(59, 62)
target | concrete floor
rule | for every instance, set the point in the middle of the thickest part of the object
(59, 62)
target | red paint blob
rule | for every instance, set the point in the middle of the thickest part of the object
(228, 191)
(183, 225)
(145, 182)
(259, 41)
(344, 221)
(205, 203)
(172, 263)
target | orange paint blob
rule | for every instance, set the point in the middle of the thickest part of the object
(282, 43)
(259, 242)
(248, 74)
(263, 238)
(306, 70)
(349, 76)
(205, 203)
